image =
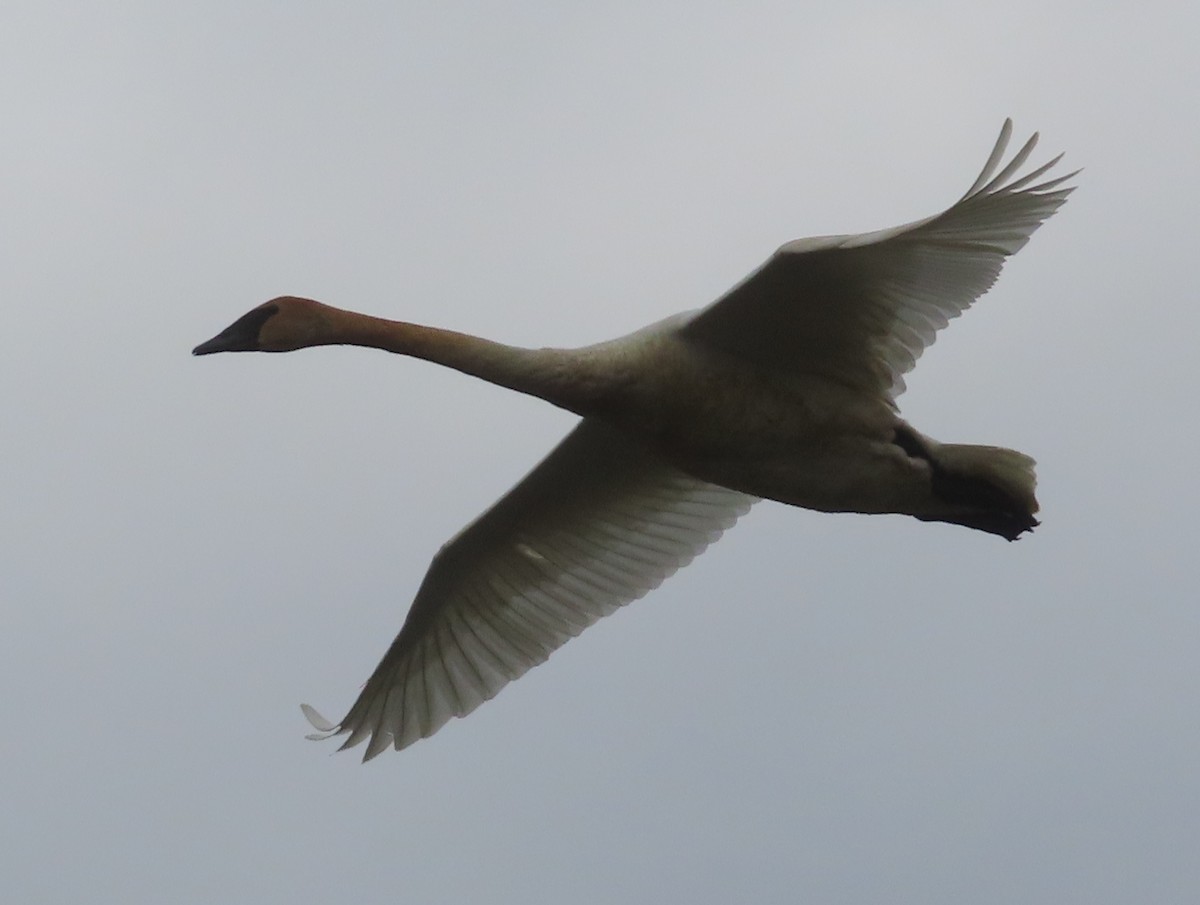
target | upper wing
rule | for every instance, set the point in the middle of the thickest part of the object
(861, 309)
(598, 523)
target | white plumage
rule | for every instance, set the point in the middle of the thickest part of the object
(784, 388)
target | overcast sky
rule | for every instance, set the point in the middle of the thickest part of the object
(833, 709)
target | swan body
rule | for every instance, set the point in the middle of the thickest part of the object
(784, 389)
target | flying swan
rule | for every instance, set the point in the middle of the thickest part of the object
(783, 389)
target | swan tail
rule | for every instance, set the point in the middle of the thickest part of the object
(988, 488)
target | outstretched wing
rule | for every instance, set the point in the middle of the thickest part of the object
(598, 523)
(861, 309)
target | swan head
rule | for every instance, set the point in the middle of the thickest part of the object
(280, 325)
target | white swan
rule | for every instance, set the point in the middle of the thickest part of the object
(785, 388)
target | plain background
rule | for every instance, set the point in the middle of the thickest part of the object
(825, 709)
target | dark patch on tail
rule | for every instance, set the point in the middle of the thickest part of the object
(908, 441)
(986, 507)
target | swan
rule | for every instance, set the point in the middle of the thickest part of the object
(783, 389)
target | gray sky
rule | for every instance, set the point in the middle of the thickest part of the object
(822, 708)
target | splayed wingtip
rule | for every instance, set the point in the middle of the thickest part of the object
(318, 722)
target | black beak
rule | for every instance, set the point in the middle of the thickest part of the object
(241, 335)
(219, 343)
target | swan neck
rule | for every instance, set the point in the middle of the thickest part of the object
(559, 376)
